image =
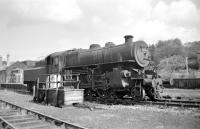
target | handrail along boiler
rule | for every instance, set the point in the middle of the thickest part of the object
(112, 71)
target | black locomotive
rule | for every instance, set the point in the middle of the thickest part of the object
(112, 71)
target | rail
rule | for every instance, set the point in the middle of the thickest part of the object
(172, 104)
(55, 121)
(163, 102)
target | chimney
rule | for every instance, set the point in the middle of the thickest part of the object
(128, 38)
(8, 59)
(1, 61)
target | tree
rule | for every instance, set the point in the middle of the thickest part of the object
(168, 48)
(152, 51)
(173, 63)
(192, 48)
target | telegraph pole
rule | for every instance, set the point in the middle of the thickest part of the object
(186, 63)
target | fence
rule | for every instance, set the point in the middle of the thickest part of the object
(185, 83)
(14, 86)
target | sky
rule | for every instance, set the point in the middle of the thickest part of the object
(32, 29)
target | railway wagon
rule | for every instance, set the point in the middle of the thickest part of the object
(110, 71)
(32, 74)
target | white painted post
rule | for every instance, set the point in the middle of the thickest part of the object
(33, 91)
(78, 81)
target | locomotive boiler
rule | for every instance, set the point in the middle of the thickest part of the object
(112, 71)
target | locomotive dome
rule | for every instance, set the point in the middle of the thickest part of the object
(94, 46)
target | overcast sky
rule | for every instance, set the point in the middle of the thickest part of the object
(31, 29)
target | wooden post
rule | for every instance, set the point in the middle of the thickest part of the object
(61, 78)
(92, 71)
(56, 99)
(46, 90)
(38, 82)
(49, 81)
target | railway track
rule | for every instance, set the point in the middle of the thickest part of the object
(16, 117)
(161, 102)
(180, 101)
(174, 103)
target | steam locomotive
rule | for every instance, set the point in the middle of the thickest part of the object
(113, 71)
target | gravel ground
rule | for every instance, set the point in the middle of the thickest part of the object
(115, 116)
